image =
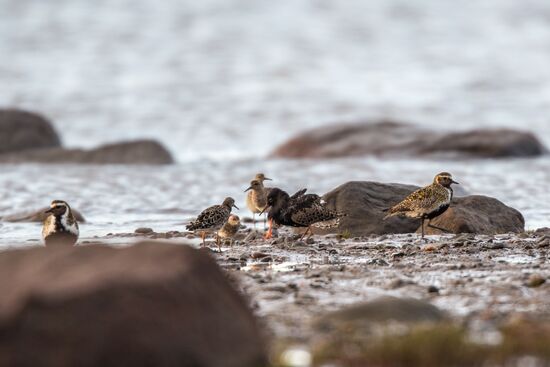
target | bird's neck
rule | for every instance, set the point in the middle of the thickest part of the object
(277, 208)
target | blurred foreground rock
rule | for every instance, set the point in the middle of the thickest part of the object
(132, 152)
(382, 310)
(396, 139)
(37, 216)
(151, 304)
(365, 202)
(22, 130)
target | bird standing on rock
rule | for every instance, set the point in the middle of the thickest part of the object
(428, 202)
(60, 227)
(229, 229)
(212, 218)
(298, 210)
(256, 199)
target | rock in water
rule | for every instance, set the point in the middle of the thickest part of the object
(397, 139)
(22, 130)
(365, 202)
(132, 152)
(151, 304)
(479, 214)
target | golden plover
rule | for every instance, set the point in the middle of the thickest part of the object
(60, 227)
(298, 210)
(213, 218)
(427, 202)
(229, 229)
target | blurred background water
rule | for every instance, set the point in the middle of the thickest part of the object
(222, 82)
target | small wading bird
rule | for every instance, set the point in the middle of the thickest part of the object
(229, 229)
(60, 226)
(256, 198)
(428, 202)
(298, 210)
(212, 219)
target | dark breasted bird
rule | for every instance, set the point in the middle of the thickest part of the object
(212, 218)
(60, 226)
(428, 202)
(298, 210)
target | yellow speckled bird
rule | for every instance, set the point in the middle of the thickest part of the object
(428, 202)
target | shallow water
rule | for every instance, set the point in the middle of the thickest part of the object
(220, 82)
(119, 199)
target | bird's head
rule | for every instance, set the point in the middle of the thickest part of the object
(58, 208)
(254, 185)
(261, 177)
(230, 203)
(234, 220)
(445, 179)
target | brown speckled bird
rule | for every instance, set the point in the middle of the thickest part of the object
(229, 229)
(212, 218)
(60, 227)
(256, 199)
(427, 202)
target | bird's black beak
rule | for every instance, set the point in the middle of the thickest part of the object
(267, 179)
(250, 188)
(236, 207)
(456, 183)
(263, 210)
(49, 210)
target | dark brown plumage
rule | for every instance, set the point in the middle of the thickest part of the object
(298, 210)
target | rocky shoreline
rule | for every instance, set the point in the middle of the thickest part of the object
(480, 282)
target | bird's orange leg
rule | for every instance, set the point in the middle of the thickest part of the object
(203, 236)
(307, 230)
(269, 233)
(218, 243)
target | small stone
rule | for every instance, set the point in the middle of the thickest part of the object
(543, 242)
(433, 289)
(378, 261)
(535, 280)
(251, 236)
(258, 255)
(143, 230)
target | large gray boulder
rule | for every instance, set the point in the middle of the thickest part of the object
(152, 304)
(132, 152)
(395, 139)
(22, 130)
(365, 203)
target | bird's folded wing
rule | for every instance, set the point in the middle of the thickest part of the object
(421, 199)
(298, 194)
(312, 214)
